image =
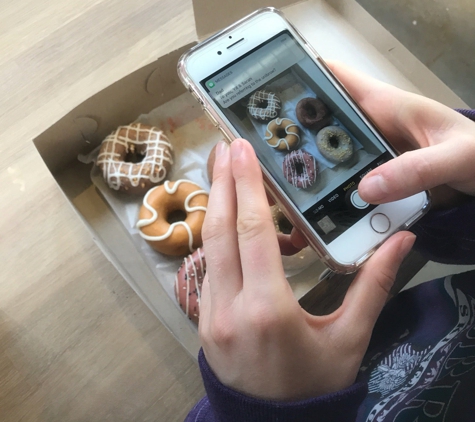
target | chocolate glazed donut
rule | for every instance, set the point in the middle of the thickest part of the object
(313, 114)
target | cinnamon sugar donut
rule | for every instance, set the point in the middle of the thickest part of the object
(135, 158)
(300, 169)
(188, 282)
(282, 134)
(264, 106)
(172, 216)
(335, 144)
(312, 113)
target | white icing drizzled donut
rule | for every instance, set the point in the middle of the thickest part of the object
(273, 138)
(264, 105)
(139, 139)
(160, 233)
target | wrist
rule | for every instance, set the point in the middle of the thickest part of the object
(233, 406)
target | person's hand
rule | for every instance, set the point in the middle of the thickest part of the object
(436, 142)
(289, 244)
(255, 336)
(437, 146)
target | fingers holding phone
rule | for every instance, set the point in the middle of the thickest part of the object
(256, 337)
(437, 143)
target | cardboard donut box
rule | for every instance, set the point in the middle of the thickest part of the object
(338, 29)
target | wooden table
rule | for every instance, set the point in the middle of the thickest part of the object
(76, 343)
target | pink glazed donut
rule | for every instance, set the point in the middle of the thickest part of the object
(300, 169)
(188, 282)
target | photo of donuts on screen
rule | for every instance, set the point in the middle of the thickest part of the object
(307, 143)
(302, 129)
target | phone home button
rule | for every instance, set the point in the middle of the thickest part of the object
(380, 223)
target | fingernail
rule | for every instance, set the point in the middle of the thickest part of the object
(373, 188)
(236, 148)
(406, 245)
(221, 148)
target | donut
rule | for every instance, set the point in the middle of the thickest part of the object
(188, 282)
(312, 113)
(300, 169)
(171, 217)
(282, 225)
(264, 106)
(335, 144)
(282, 134)
(135, 158)
(293, 264)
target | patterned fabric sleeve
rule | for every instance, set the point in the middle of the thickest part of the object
(226, 405)
(467, 113)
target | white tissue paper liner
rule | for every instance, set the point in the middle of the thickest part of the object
(192, 136)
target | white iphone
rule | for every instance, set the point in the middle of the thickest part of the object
(260, 80)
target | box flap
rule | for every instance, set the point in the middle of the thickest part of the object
(87, 125)
(213, 15)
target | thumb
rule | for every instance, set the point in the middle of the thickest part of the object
(418, 170)
(369, 291)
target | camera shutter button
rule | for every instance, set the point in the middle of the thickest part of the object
(357, 202)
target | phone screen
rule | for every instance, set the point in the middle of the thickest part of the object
(317, 151)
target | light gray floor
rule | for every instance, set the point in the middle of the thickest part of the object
(441, 33)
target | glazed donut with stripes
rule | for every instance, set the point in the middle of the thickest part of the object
(172, 216)
(135, 158)
(300, 169)
(264, 106)
(188, 282)
(282, 134)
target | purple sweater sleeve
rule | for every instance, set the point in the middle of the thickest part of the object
(448, 236)
(467, 113)
(226, 405)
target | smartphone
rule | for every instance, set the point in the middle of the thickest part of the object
(259, 79)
